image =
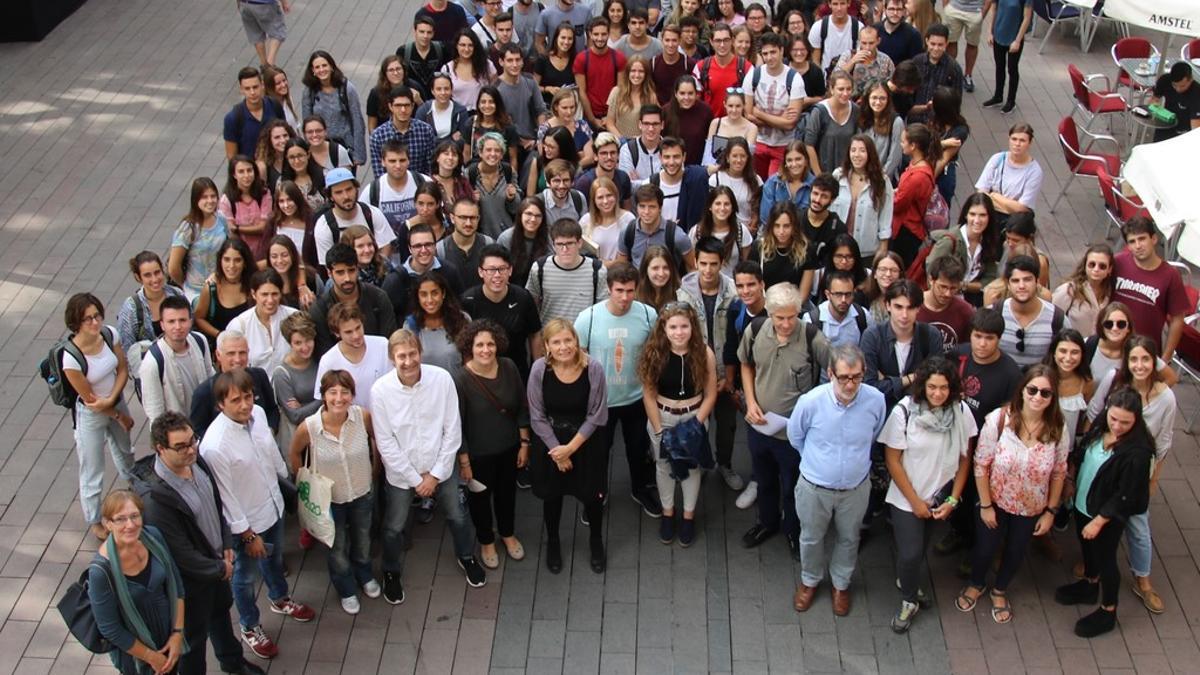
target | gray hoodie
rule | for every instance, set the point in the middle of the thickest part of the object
(689, 292)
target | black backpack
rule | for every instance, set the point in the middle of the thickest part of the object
(825, 34)
(789, 78)
(810, 335)
(669, 228)
(596, 266)
(51, 368)
(706, 65)
(155, 351)
(331, 222)
(373, 188)
(860, 319)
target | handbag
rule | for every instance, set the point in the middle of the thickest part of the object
(315, 494)
(75, 607)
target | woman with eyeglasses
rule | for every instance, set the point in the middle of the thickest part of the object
(877, 119)
(927, 440)
(732, 125)
(800, 59)
(528, 240)
(658, 278)
(94, 365)
(688, 118)
(392, 74)
(782, 247)
(841, 255)
(436, 319)
(735, 171)
(1110, 490)
(1020, 468)
(831, 125)
(1088, 289)
(1139, 370)
(679, 382)
(328, 153)
(872, 292)
(302, 169)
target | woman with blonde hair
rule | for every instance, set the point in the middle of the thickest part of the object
(635, 88)
(605, 220)
(568, 408)
(782, 247)
(921, 14)
(679, 383)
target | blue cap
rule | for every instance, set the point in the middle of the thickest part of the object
(339, 175)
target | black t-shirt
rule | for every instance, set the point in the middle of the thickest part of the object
(1186, 107)
(517, 314)
(985, 387)
(778, 268)
(820, 238)
(710, 312)
(903, 44)
(421, 69)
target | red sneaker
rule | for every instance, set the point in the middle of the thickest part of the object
(258, 642)
(299, 612)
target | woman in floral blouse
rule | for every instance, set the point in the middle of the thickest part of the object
(1020, 465)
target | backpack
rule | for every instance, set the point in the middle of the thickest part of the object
(1056, 325)
(577, 202)
(824, 23)
(373, 188)
(137, 353)
(860, 319)
(51, 368)
(937, 212)
(505, 170)
(706, 65)
(435, 47)
(1090, 346)
(669, 228)
(239, 114)
(587, 59)
(810, 335)
(916, 271)
(790, 77)
(331, 222)
(596, 265)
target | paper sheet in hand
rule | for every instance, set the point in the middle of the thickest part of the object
(475, 486)
(774, 424)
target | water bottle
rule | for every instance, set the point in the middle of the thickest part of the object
(1154, 59)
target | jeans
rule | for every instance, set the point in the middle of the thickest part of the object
(1015, 532)
(725, 418)
(1138, 544)
(947, 183)
(94, 431)
(206, 616)
(1100, 557)
(399, 501)
(776, 465)
(1010, 62)
(350, 555)
(818, 508)
(912, 540)
(499, 474)
(247, 569)
(632, 418)
(662, 468)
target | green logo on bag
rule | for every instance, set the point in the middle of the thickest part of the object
(311, 507)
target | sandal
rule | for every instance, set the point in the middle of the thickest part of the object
(513, 547)
(490, 560)
(965, 603)
(1001, 614)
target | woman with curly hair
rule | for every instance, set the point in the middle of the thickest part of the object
(781, 247)
(469, 69)
(268, 154)
(658, 278)
(1088, 289)
(437, 320)
(679, 383)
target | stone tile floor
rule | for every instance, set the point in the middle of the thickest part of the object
(103, 125)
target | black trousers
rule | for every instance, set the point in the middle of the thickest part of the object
(1100, 557)
(206, 616)
(552, 515)
(1007, 63)
(1015, 532)
(632, 418)
(725, 416)
(499, 474)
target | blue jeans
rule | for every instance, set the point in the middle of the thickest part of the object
(247, 569)
(350, 555)
(399, 501)
(1138, 544)
(776, 467)
(94, 431)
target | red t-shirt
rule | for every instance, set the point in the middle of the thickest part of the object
(720, 78)
(1152, 295)
(954, 322)
(601, 73)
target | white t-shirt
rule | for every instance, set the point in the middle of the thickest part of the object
(374, 365)
(772, 96)
(293, 233)
(928, 469)
(442, 120)
(606, 238)
(741, 192)
(902, 350)
(837, 42)
(735, 255)
(101, 367)
(398, 205)
(324, 238)
(670, 207)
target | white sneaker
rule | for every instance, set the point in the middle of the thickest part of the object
(372, 589)
(350, 605)
(748, 496)
(732, 480)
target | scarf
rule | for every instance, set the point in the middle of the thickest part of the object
(946, 423)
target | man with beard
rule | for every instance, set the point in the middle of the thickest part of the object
(943, 307)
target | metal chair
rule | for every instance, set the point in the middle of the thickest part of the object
(1130, 48)
(1053, 12)
(1190, 50)
(1117, 206)
(1093, 102)
(1083, 161)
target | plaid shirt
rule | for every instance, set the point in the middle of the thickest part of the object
(879, 70)
(944, 73)
(420, 139)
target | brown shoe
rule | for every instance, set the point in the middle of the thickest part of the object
(1150, 597)
(803, 598)
(841, 602)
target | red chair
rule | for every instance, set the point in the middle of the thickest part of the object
(1117, 206)
(1091, 102)
(1082, 161)
(1130, 48)
(1190, 50)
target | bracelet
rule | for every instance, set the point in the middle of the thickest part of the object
(525, 441)
(177, 630)
(952, 501)
(250, 539)
(1052, 510)
(984, 508)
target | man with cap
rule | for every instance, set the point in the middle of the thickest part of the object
(347, 210)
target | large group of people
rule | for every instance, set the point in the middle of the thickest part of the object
(580, 219)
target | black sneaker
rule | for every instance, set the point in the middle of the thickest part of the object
(476, 577)
(393, 591)
(666, 529)
(993, 102)
(951, 543)
(757, 535)
(554, 561)
(1008, 108)
(646, 498)
(523, 480)
(968, 84)
(599, 560)
(1098, 622)
(687, 532)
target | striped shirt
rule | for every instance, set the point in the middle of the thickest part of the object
(564, 293)
(1033, 342)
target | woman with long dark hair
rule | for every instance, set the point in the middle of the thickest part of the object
(194, 245)
(329, 94)
(448, 174)
(392, 73)
(227, 293)
(558, 143)
(302, 169)
(782, 247)
(489, 115)
(277, 86)
(442, 112)
(887, 271)
(436, 319)
(800, 59)
(528, 240)
(429, 211)
(562, 114)
(877, 119)
(139, 318)
(469, 69)
(1088, 289)
(976, 244)
(328, 152)
(1020, 467)
(299, 282)
(927, 441)
(735, 170)
(260, 322)
(552, 70)
(950, 131)
(291, 215)
(688, 118)
(1109, 487)
(719, 220)
(679, 382)
(864, 201)
(1075, 383)
(842, 255)
(658, 278)
(793, 183)
(246, 205)
(913, 193)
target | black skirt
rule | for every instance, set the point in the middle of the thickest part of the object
(587, 479)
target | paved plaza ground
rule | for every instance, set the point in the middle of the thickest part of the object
(102, 128)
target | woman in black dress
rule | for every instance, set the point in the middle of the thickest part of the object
(568, 404)
(227, 293)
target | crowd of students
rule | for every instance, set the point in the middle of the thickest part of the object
(655, 218)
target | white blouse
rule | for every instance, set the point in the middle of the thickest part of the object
(266, 342)
(345, 459)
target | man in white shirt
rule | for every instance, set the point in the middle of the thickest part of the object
(245, 462)
(364, 356)
(342, 187)
(175, 364)
(485, 27)
(834, 35)
(419, 433)
(774, 96)
(261, 323)
(394, 194)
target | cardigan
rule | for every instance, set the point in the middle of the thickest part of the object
(597, 412)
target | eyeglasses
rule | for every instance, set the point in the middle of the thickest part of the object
(886, 272)
(1119, 324)
(1037, 391)
(734, 90)
(849, 379)
(678, 306)
(493, 271)
(93, 318)
(720, 40)
(466, 219)
(840, 294)
(1020, 340)
(395, 69)
(123, 520)
(420, 247)
(180, 447)
(564, 245)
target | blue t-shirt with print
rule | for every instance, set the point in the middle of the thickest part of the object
(616, 342)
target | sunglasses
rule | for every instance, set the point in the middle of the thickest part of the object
(1097, 265)
(1036, 391)
(1020, 340)
(1118, 324)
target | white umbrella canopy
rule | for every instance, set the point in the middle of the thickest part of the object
(1158, 173)
(1177, 17)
